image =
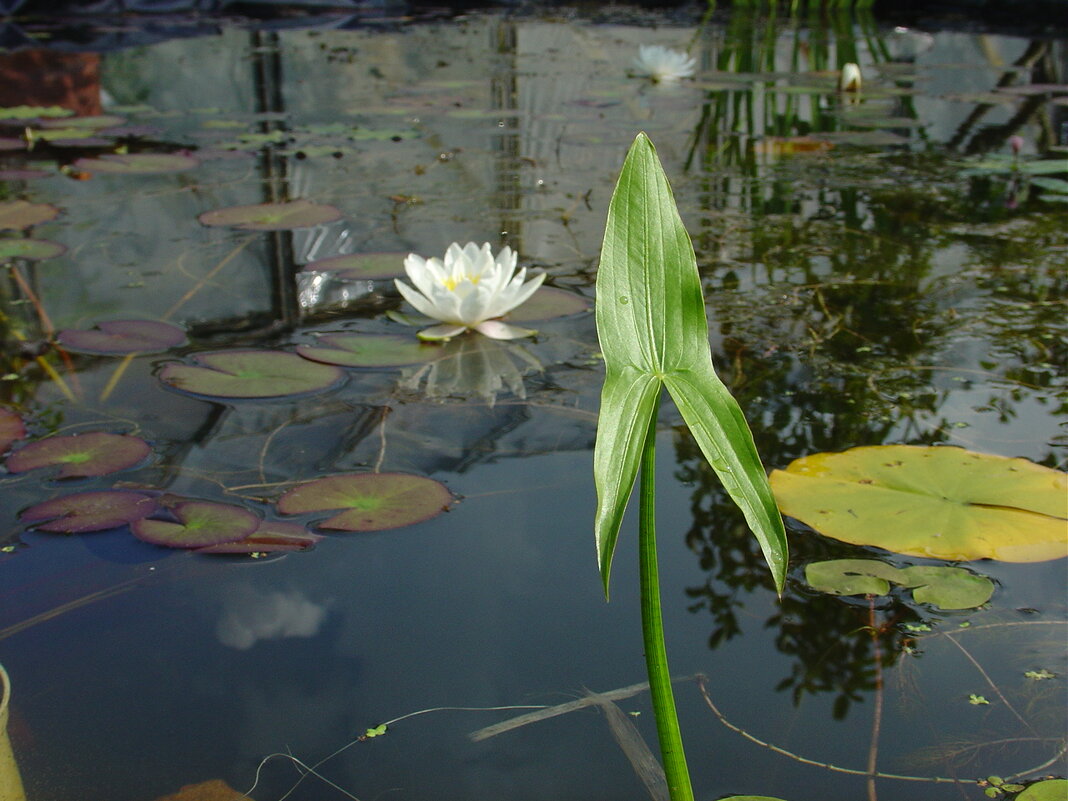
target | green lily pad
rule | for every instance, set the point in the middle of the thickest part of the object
(269, 537)
(943, 587)
(369, 350)
(250, 374)
(361, 266)
(81, 455)
(548, 302)
(938, 502)
(89, 511)
(371, 501)
(137, 163)
(114, 337)
(33, 112)
(90, 122)
(30, 249)
(1047, 790)
(272, 216)
(199, 524)
(12, 428)
(18, 214)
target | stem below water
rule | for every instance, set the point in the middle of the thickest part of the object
(667, 721)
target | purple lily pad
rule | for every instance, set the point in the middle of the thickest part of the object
(89, 511)
(272, 216)
(250, 374)
(199, 524)
(137, 163)
(369, 350)
(30, 249)
(548, 302)
(11, 428)
(24, 175)
(18, 214)
(270, 537)
(80, 455)
(7, 143)
(360, 266)
(371, 501)
(114, 337)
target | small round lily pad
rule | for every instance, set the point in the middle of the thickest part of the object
(360, 266)
(18, 214)
(272, 216)
(269, 537)
(250, 374)
(369, 350)
(137, 163)
(11, 428)
(89, 511)
(30, 249)
(80, 455)
(370, 501)
(115, 337)
(546, 303)
(198, 524)
(940, 586)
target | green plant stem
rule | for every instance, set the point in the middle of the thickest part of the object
(667, 721)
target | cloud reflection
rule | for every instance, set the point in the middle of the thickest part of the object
(250, 615)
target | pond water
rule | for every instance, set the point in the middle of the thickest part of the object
(879, 269)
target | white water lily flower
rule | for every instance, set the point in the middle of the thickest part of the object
(849, 80)
(468, 290)
(662, 64)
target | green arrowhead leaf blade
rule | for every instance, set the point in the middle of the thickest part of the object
(653, 332)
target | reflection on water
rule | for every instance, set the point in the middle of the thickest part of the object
(885, 268)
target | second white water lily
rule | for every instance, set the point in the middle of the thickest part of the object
(468, 290)
(662, 64)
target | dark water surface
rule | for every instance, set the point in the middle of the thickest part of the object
(877, 270)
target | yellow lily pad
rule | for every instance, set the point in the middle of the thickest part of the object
(937, 502)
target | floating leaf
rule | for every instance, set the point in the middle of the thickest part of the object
(269, 537)
(114, 337)
(938, 502)
(89, 511)
(250, 374)
(91, 122)
(7, 143)
(1047, 790)
(137, 163)
(372, 501)
(30, 249)
(23, 175)
(81, 455)
(977, 700)
(361, 266)
(11, 428)
(548, 302)
(369, 350)
(18, 214)
(199, 525)
(33, 112)
(272, 216)
(1039, 674)
(944, 587)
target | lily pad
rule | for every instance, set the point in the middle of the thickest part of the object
(199, 524)
(11, 428)
(250, 374)
(548, 302)
(18, 214)
(114, 337)
(371, 501)
(269, 537)
(137, 163)
(361, 266)
(272, 216)
(33, 112)
(369, 350)
(938, 502)
(1047, 790)
(89, 511)
(943, 587)
(91, 122)
(30, 249)
(81, 455)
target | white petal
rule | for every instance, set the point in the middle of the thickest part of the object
(416, 299)
(495, 329)
(439, 332)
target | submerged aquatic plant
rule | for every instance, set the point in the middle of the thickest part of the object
(654, 334)
(468, 290)
(662, 64)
